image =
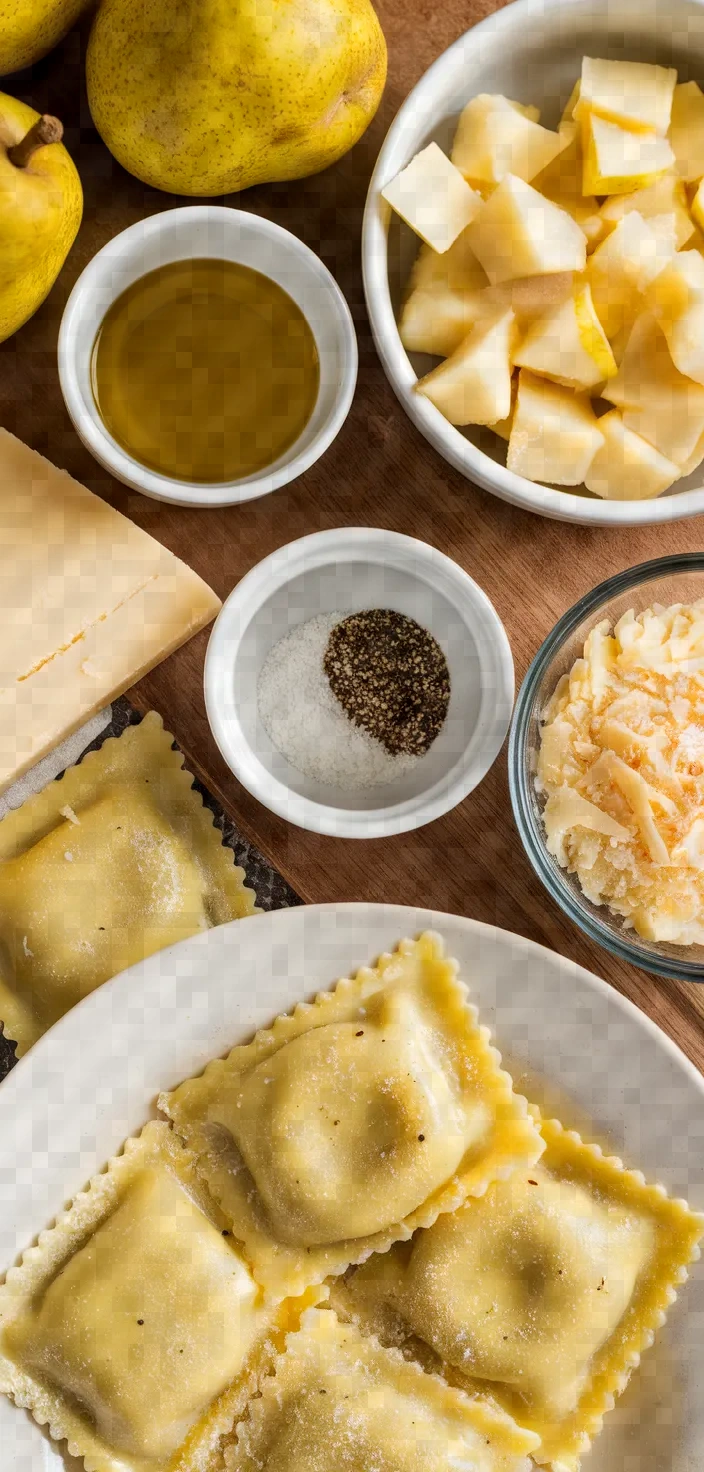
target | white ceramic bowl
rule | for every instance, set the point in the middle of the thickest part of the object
(531, 51)
(348, 570)
(217, 232)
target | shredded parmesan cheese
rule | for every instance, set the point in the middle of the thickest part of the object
(621, 764)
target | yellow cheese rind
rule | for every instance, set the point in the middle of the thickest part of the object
(94, 601)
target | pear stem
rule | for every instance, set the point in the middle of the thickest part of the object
(45, 130)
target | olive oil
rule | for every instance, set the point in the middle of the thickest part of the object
(205, 371)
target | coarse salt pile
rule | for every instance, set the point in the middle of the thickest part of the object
(622, 764)
(308, 725)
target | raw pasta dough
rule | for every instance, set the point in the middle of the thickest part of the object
(543, 1292)
(337, 1400)
(132, 1325)
(354, 1120)
(113, 862)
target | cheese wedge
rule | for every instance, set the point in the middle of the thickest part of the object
(495, 138)
(92, 604)
(432, 196)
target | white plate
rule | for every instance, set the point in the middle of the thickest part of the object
(92, 1080)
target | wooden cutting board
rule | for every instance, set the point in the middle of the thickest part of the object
(379, 472)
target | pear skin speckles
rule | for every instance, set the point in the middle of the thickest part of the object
(260, 91)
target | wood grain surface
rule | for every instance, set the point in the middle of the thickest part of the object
(379, 472)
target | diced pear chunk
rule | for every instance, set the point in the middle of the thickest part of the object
(436, 317)
(645, 362)
(437, 321)
(503, 427)
(657, 401)
(495, 138)
(473, 386)
(634, 94)
(518, 233)
(569, 111)
(561, 182)
(528, 109)
(626, 467)
(617, 161)
(444, 299)
(530, 296)
(676, 299)
(568, 344)
(698, 206)
(666, 196)
(622, 267)
(687, 130)
(694, 460)
(555, 433)
(433, 197)
(457, 268)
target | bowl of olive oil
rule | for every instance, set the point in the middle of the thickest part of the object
(207, 356)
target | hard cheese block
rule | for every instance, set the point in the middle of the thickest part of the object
(91, 603)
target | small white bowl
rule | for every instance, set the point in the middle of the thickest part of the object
(530, 51)
(209, 231)
(348, 570)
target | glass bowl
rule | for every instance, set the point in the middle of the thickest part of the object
(677, 579)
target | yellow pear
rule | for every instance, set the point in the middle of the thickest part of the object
(204, 97)
(30, 28)
(41, 203)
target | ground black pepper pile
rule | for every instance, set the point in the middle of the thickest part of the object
(391, 677)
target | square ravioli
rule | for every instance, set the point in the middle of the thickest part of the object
(134, 1329)
(355, 1119)
(543, 1294)
(339, 1400)
(112, 862)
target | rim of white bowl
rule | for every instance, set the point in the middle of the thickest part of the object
(373, 545)
(559, 505)
(89, 426)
